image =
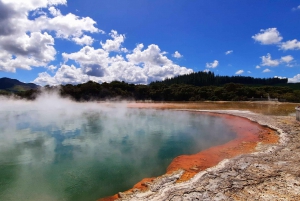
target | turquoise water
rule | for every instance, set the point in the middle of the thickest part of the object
(83, 154)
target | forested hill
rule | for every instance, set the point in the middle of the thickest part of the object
(209, 79)
(116, 90)
(13, 85)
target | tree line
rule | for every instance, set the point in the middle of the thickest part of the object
(159, 91)
(209, 78)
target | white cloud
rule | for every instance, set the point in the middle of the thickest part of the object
(64, 75)
(177, 55)
(111, 68)
(33, 4)
(239, 72)
(228, 52)
(92, 61)
(266, 70)
(294, 79)
(55, 12)
(9, 64)
(140, 66)
(214, 64)
(287, 59)
(280, 77)
(26, 45)
(296, 8)
(122, 70)
(52, 68)
(290, 45)
(115, 44)
(151, 64)
(268, 36)
(65, 26)
(25, 32)
(123, 49)
(152, 55)
(29, 29)
(267, 61)
(257, 67)
(272, 36)
(206, 70)
(291, 65)
(248, 71)
(24, 52)
(84, 40)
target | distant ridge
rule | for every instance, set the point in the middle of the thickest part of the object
(14, 85)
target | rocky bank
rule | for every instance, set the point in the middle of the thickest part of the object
(272, 172)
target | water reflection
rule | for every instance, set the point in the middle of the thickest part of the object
(86, 154)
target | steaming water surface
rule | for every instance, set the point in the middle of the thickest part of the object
(55, 149)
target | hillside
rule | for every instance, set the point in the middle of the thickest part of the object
(210, 79)
(13, 85)
(160, 91)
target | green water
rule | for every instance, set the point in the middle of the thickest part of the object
(55, 155)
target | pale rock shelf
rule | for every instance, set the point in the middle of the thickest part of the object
(270, 173)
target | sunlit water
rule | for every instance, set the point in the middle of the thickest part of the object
(85, 153)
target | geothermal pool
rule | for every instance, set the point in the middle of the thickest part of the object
(71, 151)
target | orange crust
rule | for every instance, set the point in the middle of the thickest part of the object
(249, 134)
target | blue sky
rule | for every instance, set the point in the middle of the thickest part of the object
(139, 41)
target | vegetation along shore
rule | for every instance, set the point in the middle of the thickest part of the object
(199, 86)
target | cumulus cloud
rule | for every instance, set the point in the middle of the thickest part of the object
(30, 5)
(272, 36)
(268, 36)
(55, 12)
(64, 75)
(52, 68)
(8, 15)
(92, 61)
(29, 30)
(152, 55)
(9, 64)
(24, 52)
(214, 64)
(294, 79)
(66, 26)
(257, 67)
(228, 52)
(266, 70)
(287, 59)
(290, 45)
(140, 67)
(239, 72)
(84, 40)
(177, 55)
(267, 61)
(25, 32)
(115, 44)
(26, 45)
(206, 70)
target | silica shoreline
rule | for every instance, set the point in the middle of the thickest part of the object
(241, 177)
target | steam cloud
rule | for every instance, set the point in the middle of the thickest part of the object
(88, 141)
